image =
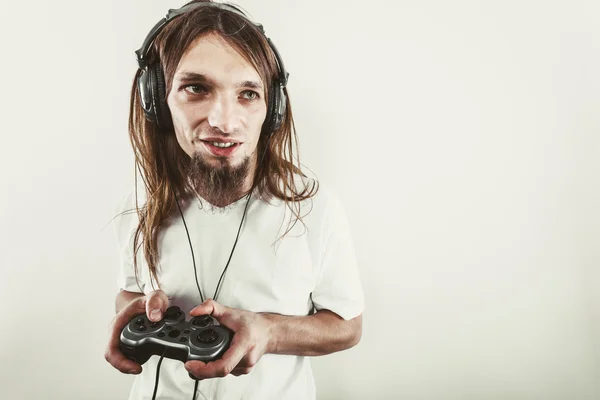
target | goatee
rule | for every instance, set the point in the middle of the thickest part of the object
(220, 185)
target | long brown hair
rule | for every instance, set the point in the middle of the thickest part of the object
(161, 162)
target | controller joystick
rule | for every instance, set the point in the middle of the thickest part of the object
(201, 321)
(201, 338)
(207, 336)
(173, 313)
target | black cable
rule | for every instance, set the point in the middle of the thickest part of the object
(236, 238)
(195, 389)
(191, 247)
(157, 373)
(230, 254)
(233, 248)
(243, 217)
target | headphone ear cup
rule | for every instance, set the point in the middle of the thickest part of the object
(159, 98)
(279, 107)
(275, 110)
(145, 94)
(267, 128)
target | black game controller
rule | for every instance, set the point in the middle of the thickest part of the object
(201, 338)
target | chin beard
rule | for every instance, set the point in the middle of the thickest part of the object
(221, 185)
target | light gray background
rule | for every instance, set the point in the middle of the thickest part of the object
(462, 137)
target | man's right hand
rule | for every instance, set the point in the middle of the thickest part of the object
(154, 305)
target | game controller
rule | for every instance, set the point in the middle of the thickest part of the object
(201, 338)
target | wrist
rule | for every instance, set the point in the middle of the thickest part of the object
(270, 324)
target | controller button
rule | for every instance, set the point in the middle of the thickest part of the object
(139, 321)
(169, 327)
(202, 321)
(161, 334)
(207, 336)
(173, 313)
(141, 328)
(155, 325)
(174, 333)
(183, 339)
(186, 331)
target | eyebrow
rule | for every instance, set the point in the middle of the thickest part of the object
(193, 76)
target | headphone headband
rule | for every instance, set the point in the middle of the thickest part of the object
(142, 52)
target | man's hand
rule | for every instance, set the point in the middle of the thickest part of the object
(154, 305)
(251, 339)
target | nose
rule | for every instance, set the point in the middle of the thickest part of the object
(222, 114)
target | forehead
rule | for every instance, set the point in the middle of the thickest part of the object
(211, 55)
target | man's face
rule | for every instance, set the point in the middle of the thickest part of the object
(218, 105)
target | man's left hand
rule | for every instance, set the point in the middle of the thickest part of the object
(251, 339)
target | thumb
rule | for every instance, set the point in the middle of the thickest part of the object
(156, 304)
(209, 307)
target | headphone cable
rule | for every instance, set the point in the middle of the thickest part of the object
(249, 195)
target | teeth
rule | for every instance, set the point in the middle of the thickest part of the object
(219, 144)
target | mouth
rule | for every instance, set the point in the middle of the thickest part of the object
(221, 148)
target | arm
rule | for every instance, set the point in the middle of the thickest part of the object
(322, 333)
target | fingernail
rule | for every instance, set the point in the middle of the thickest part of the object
(132, 371)
(155, 314)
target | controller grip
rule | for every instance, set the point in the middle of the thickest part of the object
(135, 354)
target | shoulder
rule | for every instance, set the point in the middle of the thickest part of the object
(135, 198)
(126, 212)
(324, 210)
(323, 196)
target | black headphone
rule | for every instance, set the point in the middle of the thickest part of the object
(151, 81)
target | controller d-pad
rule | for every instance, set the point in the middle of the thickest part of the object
(207, 336)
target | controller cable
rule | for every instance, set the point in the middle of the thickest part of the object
(158, 376)
(249, 195)
(157, 373)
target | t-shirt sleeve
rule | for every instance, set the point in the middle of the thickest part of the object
(125, 224)
(338, 287)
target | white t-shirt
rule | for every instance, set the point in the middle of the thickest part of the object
(315, 264)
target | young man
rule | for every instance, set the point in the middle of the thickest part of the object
(226, 223)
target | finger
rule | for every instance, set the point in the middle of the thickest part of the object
(113, 353)
(222, 367)
(196, 369)
(226, 316)
(210, 307)
(238, 371)
(120, 362)
(244, 366)
(156, 304)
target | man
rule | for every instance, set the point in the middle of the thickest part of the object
(225, 215)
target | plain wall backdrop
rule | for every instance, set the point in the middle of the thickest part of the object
(462, 137)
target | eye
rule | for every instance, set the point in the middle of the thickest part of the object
(250, 95)
(195, 89)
